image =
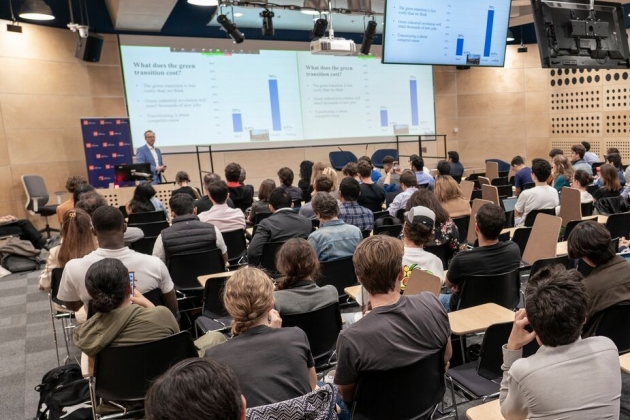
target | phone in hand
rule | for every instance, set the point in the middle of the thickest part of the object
(132, 281)
(396, 166)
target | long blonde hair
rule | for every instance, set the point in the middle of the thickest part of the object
(318, 169)
(446, 189)
(247, 297)
(76, 232)
(562, 166)
(333, 174)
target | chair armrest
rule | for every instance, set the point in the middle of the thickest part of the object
(59, 194)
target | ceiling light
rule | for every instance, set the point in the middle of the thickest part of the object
(267, 27)
(204, 2)
(510, 36)
(36, 10)
(368, 37)
(231, 29)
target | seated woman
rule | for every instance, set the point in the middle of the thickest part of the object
(182, 179)
(286, 183)
(335, 179)
(615, 160)
(122, 316)
(449, 195)
(562, 172)
(581, 180)
(71, 184)
(297, 292)
(610, 183)
(418, 231)
(446, 231)
(262, 205)
(144, 201)
(272, 364)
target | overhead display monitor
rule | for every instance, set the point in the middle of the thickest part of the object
(446, 32)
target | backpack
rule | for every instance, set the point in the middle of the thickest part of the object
(63, 394)
(17, 255)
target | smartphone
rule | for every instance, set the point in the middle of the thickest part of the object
(132, 281)
(396, 165)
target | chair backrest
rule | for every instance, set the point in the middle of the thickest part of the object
(213, 297)
(505, 191)
(146, 217)
(543, 240)
(467, 188)
(570, 205)
(124, 373)
(321, 326)
(457, 178)
(339, 159)
(259, 217)
(378, 155)
(34, 186)
(490, 193)
(338, 273)
(186, 267)
(501, 181)
(587, 209)
(297, 204)
(531, 216)
(520, 238)
(391, 230)
(484, 180)
(235, 242)
(475, 176)
(502, 289)
(441, 251)
(462, 224)
(528, 185)
(618, 225)
(55, 281)
(547, 262)
(502, 165)
(613, 323)
(491, 352)
(151, 229)
(492, 170)
(379, 214)
(476, 205)
(366, 233)
(155, 296)
(268, 257)
(144, 245)
(569, 228)
(421, 281)
(417, 388)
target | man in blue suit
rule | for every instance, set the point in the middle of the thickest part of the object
(151, 155)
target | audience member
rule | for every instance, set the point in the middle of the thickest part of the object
(80, 190)
(24, 229)
(417, 232)
(399, 330)
(286, 183)
(443, 168)
(318, 169)
(144, 201)
(457, 169)
(376, 174)
(609, 282)
(449, 195)
(323, 183)
(446, 231)
(408, 185)
(262, 205)
(610, 186)
(196, 389)
(351, 170)
(577, 159)
(542, 196)
(71, 184)
(372, 195)
(334, 190)
(350, 211)
(424, 179)
(151, 155)
(391, 181)
(296, 291)
(187, 233)
(224, 218)
(92, 200)
(281, 226)
(272, 364)
(589, 157)
(306, 170)
(490, 257)
(204, 203)
(553, 153)
(568, 377)
(614, 159)
(108, 225)
(182, 179)
(242, 195)
(522, 173)
(581, 180)
(562, 172)
(334, 239)
(122, 316)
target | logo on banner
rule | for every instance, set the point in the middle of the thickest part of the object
(117, 122)
(85, 122)
(102, 122)
(111, 133)
(95, 133)
(98, 156)
(91, 167)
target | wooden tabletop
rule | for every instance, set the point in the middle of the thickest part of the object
(478, 318)
(353, 291)
(599, 219)
(487, 411)
(561, 249)
(624, 361)
(203, 279)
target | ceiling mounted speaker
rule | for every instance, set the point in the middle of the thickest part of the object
(360, 5)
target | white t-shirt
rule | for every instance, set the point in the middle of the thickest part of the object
(423, 260)
(150, 273)
(537, 198)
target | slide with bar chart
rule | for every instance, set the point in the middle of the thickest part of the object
(448, 32)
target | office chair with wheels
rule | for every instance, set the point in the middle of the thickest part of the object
(37, 200)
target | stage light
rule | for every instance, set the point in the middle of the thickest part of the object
(368, 37)
(36, 10)
(231, 29)
(267, 24)
(510, 36)
(319, 28)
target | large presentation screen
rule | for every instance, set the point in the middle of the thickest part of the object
(446, 32)
(268, 94)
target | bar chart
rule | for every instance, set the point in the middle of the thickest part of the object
(274, 104)
(413, 97)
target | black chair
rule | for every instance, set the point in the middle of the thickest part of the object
(151, 231)
(591, 189)
(366, 233)
(502, 289)
(391, 230)
(378, 155)
(338, 273)
(259, 217)
(462, 226)
(441, 251)
(155, 296)
(146, 217)
(509, 219)
(186, 267)
(531, 216)
(322, 327)
(618, 225)
(501, 181)
(65, 315)
(214, 317)
(379, 214)
(476, 193)
(503, 237)
(37, 200)
(297, 204)
(505, 191)
(528, 185)
(236, 245)
(587, 209)
(389, 197)
(547, 262)
(457, 178)
(339, 159)
(268, 257)
(414, 391)
(400, 215)
(613, 323)
(569, 227)
(113, 381)
(520, 237)
(475, 176)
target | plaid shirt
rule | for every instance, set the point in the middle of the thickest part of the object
(354, 214)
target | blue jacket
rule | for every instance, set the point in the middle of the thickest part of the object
(144, 155)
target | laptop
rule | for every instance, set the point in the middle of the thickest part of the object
(509, 203)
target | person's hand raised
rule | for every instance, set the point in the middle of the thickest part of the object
(519, 336)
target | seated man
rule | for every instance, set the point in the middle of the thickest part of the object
(323, 183)
(568, 378)
(542, 196)
(609, 282)
(204, 203)
(577, 159)
(408, 185)
(12, 226)
(399, 330)
(242, 195)
(443, 168)
(223, 217)
(423, 178)
(490, 257)
(334, 239)
(92, 200)
(391, 181)
(589, 157)
(350, 211)
(522, 174)
(286, 176)
(187, 233)
(109, 227)
(282, 225)
(457, 169)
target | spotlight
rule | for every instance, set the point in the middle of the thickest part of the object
(267, 26)
(231, 29)
(319, 28)
(368, 37)
(36, 10)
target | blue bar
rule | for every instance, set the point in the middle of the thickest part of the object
(413, 91)
(384, 121)
(460, 47)
(275, 105)
(237, 122)
(486, 49)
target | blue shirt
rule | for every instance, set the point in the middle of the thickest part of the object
(522, 177)
(334, 240)
(424, 178)
(376, 175)
(457, 169)
(353, 213)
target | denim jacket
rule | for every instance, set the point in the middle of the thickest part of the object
(334, 240)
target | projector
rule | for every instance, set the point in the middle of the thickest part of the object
(333, 46)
